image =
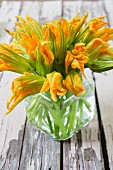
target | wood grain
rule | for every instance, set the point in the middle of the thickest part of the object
(40, 151)
(22, 146)
(83, 151)
(104, 86)
(10, 125)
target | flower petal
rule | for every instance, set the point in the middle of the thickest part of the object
(54, 83)
(12, 61)
(73, 82)
(22, 87)
(79, 48)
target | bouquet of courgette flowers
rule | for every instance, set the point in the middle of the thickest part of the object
(51, 58)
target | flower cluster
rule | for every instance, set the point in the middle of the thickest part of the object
(52, 57)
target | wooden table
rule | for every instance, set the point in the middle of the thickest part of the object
(22, 146)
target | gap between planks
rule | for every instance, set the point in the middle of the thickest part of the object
(84, 149)
(40, 151)
(106, 99)
(11, 124)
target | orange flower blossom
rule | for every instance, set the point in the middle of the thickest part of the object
(52, 57)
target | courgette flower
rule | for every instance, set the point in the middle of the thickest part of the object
(53, 83)
(77, 58)
(22, 87)
(96, 23)
(58, 40)
(65, 26)
(105, 34)
(44, 59)
(53, 56)
(100, 55)
(12, 61)
(88, 32)
(73, 82)
(28, 34)
(94, 49)
(75, 27)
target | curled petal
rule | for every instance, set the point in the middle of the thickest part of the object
(54, 83)
(73, 82)
(28, 33)
(96, 43)
(55, 30)
(46, 86)
(68, 60)
(45, 31)
(22, 87)
(79, 48)
(103, 31)
(108, 51)
(76, 61)
(47, 54)
(58, 41)
(75, 27)
(65, 26)
(78, 21)
(96, 23)
(75, 64)
(12, 61)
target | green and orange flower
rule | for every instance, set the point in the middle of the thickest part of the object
(54, 83)
(52, 57)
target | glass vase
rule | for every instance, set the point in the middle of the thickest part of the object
(64, 118)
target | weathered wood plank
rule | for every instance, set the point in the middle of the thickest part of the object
(50, 11)
(40, 151)
(11, 132)
(107, 5)
(83, 151)
(104, 85)
(31, 8)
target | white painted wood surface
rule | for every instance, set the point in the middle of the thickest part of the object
(84, 150)
(22, 146)
(11, 124)
(40, 151)
(12, 132)
(104, 86)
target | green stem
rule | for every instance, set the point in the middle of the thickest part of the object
(40, 117)
(56, 127)
(49, 123)
(87, 104)
(72, 116)
(56, 130)
(79, 123)
(58, 122)
(56, 105)
(81, 110)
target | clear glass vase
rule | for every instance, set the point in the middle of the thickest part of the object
(63, 118)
